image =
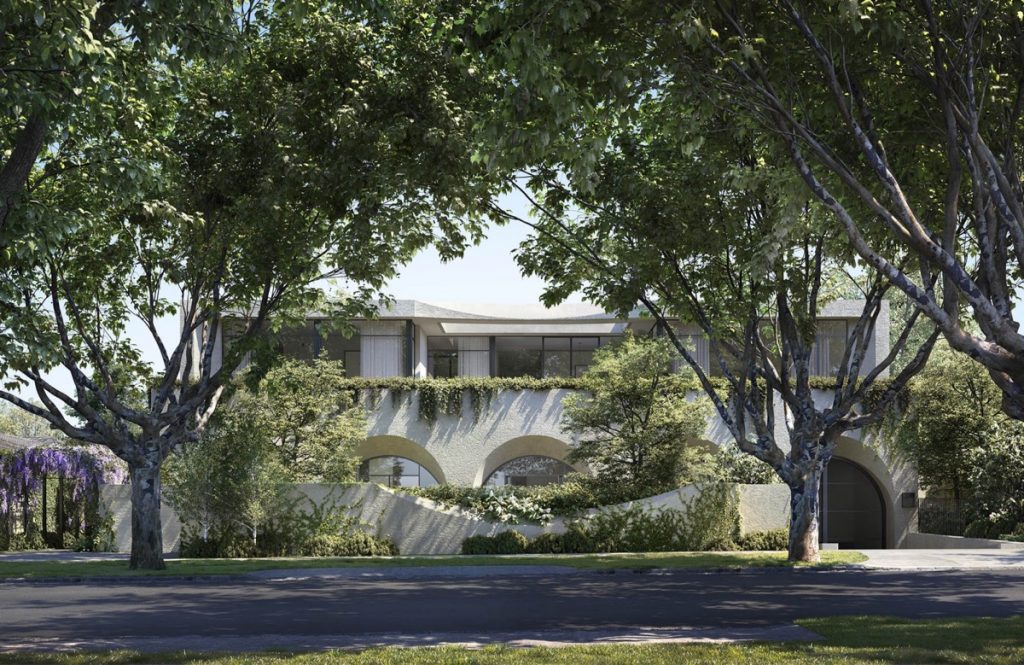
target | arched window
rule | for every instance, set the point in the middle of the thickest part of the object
(395, 472)
(530, 470)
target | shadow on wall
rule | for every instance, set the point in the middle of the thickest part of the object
(116, 500)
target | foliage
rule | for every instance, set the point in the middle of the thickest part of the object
(572, 497)
(961, 443)
(760, 541)
(17, 422)
(231, 477)
(946, 426)
(444, 396)
(231, 490)
(506, 542)
(734, 466)
(77, 75)
(633, 421)
(707, 521)
(997, 481)
(312, 420)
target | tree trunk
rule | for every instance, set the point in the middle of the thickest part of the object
(803, 518)
(147, 535)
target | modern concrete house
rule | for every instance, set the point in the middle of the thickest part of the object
(868, 501)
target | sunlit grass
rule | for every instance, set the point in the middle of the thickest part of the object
(646, 560)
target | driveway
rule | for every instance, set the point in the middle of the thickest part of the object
(945, 559)
(357, 609)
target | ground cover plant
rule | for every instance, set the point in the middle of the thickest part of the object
(867, 640)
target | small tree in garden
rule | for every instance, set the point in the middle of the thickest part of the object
(954, 431)
(948, 421)
(312, 419)
(634, 421)
(230, 480)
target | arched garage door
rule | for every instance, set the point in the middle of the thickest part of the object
(854, 513)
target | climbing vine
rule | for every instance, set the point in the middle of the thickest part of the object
(446, 396)
(69, 476)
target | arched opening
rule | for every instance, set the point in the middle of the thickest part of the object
(852, 506)
(529, 471)
(523, 447)
(395, 471)
(395, 460)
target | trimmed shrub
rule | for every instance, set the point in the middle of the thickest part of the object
(355, 543)
(760, 541)
(506, 542)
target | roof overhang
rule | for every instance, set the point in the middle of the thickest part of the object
(533, 328)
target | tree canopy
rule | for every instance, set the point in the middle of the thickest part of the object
(332, 147)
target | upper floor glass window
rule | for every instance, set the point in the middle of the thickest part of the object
(544, 356)
(829, 347)
(339, 347)
(458, 356)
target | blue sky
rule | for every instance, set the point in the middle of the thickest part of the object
(487, 273)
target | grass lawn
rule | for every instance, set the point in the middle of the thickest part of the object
(647, 560)
(848, 641)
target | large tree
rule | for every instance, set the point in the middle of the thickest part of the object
(904, 120)
(682, 214)
(333, 148)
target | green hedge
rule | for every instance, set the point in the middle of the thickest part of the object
(506, 542)
(777, 539)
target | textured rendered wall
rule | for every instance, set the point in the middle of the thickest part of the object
(467, 451)
(116, 500)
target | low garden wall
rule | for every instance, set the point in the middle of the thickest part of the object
(421, 526)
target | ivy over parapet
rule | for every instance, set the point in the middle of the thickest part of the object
(440, 396)
(444, 396)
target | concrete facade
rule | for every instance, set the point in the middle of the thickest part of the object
(464, 449)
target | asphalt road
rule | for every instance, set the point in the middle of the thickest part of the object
(162, 614)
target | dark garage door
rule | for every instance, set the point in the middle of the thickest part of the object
(853, 507)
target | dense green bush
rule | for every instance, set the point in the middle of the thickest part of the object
(777, 539)
(506, 542)
(354, 543)
(632, 418)
(709, 521)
